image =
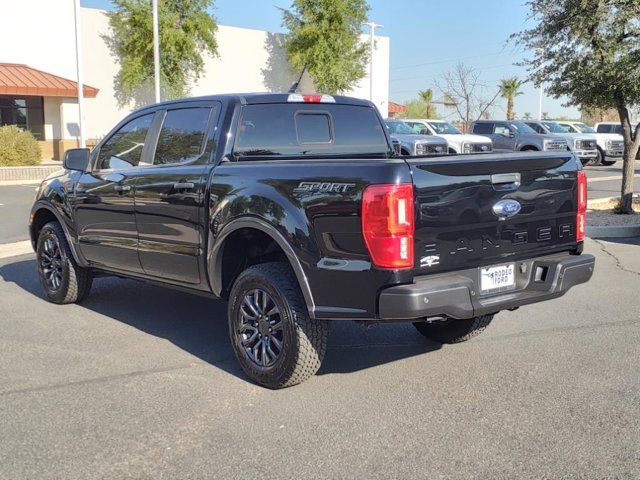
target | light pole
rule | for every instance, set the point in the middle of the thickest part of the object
(76, 11)
(540, 103)
(372, 26)
(156, 50)
(541, 90)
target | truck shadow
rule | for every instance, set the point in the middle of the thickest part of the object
(198, 325)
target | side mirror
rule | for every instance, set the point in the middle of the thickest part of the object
(76, 159)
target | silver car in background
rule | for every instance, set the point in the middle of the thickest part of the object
(584, 146)
(412, 143)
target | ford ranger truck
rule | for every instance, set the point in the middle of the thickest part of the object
(295, 210)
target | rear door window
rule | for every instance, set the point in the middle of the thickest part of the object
(287, 129)
(182, 136)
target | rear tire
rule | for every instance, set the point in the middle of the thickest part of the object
(62, 279)
(275, 341)
(452, 330)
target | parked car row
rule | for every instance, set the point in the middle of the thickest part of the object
(418, 137)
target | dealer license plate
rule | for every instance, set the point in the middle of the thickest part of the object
(497, 279)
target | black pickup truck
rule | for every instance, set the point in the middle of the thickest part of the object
(296, 209)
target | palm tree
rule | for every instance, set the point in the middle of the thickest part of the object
(527, 116)
(509, 89)
(426, 96)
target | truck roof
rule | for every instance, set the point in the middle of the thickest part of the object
(257, 98)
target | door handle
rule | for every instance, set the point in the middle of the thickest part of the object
(184, 186)
(122, 188)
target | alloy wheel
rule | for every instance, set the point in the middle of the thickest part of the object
(51, 263)
(260, 329)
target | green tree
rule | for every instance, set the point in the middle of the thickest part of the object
(422, 106)
(324, 39)
(593, 59)
(509, 89)
(186, 30)
(426, 96)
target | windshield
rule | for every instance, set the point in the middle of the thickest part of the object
(444, 128)
(522, 127)
(583, 128)
(399, 127)
(555, 127)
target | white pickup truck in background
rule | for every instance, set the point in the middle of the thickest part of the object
(458, 142)
(610, 145)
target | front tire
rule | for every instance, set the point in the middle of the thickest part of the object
(452, 330)
(62, 279)
(602, 159)
(275, 341)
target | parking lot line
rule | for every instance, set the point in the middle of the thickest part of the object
(611, 177)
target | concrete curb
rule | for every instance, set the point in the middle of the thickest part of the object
(618, 231)
(18, 174)
(600, 201)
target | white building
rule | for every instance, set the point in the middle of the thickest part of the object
(248, 61)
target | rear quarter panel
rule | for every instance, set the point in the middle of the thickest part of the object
(315, 206)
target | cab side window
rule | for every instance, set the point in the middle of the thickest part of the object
(501, 129)
(604, 129)
(124, 148)
(486, 128)
(182, 137)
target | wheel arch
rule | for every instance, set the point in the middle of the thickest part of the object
(529, 148)
(222, 281)
(43, 213)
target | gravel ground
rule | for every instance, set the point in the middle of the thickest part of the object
(602, 215)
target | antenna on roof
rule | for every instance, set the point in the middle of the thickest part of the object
(294, 87)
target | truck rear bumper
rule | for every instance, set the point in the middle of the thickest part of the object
(456, 295)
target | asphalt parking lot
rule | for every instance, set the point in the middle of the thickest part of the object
(139, 382)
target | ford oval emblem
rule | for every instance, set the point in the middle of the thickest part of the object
(506, 208)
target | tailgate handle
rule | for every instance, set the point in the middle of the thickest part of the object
(505, 181)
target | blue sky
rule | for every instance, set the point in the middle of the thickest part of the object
(427, 37)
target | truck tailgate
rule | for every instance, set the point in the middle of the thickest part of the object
(465, 208)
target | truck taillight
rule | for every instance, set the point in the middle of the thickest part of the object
(581, 216)
(388, 224)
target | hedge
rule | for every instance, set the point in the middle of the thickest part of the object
(18, 148)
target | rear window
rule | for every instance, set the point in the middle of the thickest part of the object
(483, 128)
(604, 128)
(303, 129)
